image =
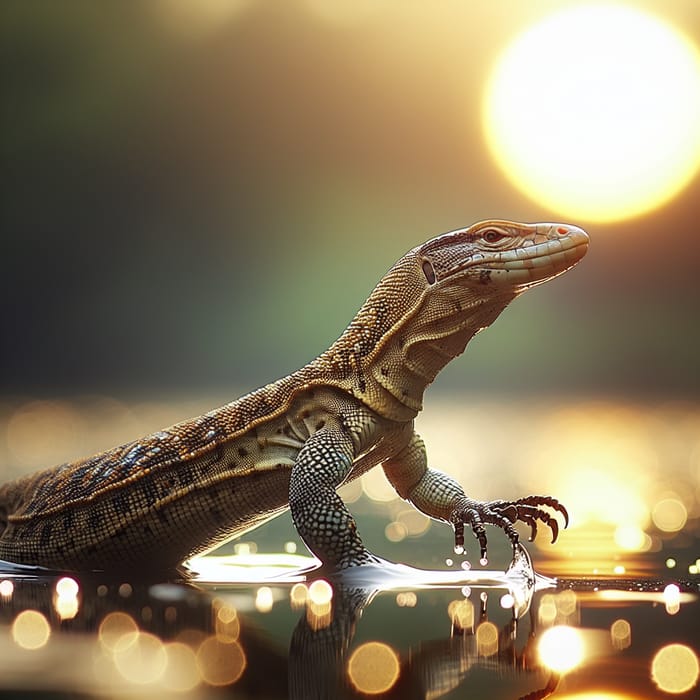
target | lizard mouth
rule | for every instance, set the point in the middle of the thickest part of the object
(531, 263)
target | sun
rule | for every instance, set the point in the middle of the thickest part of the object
(594, 112)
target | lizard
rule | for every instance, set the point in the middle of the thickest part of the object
(155, 502)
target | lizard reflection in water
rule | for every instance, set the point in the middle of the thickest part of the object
(249, 661)
(154, 502)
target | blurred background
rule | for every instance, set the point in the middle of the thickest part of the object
(197, 196)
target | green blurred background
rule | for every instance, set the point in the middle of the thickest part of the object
(197, 196)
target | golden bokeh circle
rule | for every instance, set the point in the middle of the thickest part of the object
(675, 668)
(220, 662)
(373, 668)
(30, 630)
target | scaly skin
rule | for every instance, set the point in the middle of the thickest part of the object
(154, 502)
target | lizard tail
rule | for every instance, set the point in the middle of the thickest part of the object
(14, 495)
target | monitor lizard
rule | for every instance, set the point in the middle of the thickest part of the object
(157, 501)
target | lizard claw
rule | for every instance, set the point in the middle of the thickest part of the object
(473, 517)
(548, 501)
(504, 514)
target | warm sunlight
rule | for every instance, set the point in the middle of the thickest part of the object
(561, 648)
(594, 112)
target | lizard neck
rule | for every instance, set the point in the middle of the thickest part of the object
(392, 377)
(409, 363)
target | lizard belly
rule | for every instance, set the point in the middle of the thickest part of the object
(142, 532)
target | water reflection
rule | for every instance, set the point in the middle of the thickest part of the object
(560, 648)
(373, 668)
(431, 668)
(626, 628)
(191, 638)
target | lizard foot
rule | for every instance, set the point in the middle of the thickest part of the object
(504, 514)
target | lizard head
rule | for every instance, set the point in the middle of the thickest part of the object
(470, 275)
(493, 256)
(437, 297)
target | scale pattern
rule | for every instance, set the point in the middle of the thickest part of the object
(182, 490)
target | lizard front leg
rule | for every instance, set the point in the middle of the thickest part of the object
(320, 516)
(440, 496)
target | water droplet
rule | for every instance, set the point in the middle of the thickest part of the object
(459, 549)
(483, 561)
(507, 601)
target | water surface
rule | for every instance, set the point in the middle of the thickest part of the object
(612, 613)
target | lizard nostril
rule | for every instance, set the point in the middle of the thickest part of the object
(562, 231)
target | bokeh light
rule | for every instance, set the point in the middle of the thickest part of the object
(373, 668)
(140, 658)
(220, 662)
(298, 595)
(30, 630)
(395, 532)
(66, 603)
(669, 514)
(226, 624)
(115, 628)
(320, 592)
(376, 487)
(7, 588)
(406, 599)
(675, 668)
(461, 613)
(67, 587)
(672, 598)
(486, 639)
(415, 522)
(632, 538)
(181, 673)
(38, 430)
(319, 604)
(264, 599)
(620, 634)
(547, 610)
(507, 601)
(561, 648)
(558, 608)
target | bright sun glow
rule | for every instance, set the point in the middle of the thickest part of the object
(561, 648)
(594, 112)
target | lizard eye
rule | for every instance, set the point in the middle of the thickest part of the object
(492, 236)
(429, 272)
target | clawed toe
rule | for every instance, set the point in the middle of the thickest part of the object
(504, 514)
(530, 515)
(548, 501)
